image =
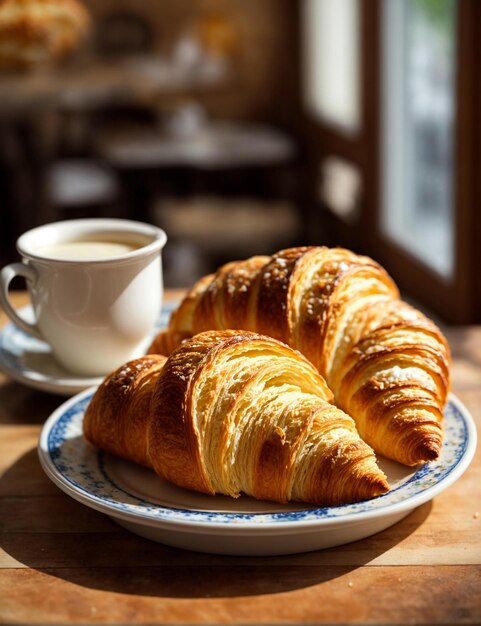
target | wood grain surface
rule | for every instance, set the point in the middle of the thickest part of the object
(63, 563)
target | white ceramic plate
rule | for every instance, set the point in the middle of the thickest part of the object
(30, 361)
(143, 503)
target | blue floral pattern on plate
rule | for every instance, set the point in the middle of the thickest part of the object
(83, 472)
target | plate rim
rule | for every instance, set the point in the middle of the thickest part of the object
(247, 526)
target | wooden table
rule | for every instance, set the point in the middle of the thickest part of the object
(63, 563)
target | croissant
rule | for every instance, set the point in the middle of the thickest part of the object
(386, 363)
(231, 412)
(38, 32)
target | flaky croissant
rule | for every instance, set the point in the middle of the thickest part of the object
(386, 363)
(232, 412)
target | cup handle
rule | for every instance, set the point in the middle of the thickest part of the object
(7, 274)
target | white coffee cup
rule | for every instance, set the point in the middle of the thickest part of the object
(95, 287)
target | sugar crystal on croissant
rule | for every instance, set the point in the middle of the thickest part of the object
(231, 412)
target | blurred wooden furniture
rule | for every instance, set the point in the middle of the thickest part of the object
(91, 84)
(23, 192)
(36, 108)
(217, 158)
(63, 563)
(199, 179)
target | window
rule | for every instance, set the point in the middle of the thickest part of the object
(418, 111)
(331, 62)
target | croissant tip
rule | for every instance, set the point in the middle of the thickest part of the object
(371, 486)
(379, 486)
(426, 451)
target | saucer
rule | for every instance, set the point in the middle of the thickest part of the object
(29, 361)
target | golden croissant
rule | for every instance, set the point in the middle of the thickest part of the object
(231, 412)
(37, 32)
(386, 363)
